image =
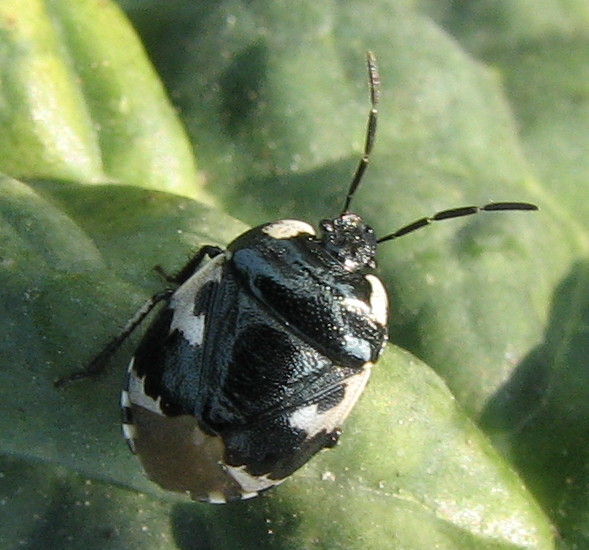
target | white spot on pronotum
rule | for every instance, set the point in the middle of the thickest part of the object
(357, 347)
(356, 305)
(287, 229)
(379, 301)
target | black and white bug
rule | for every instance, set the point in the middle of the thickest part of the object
(261, 350)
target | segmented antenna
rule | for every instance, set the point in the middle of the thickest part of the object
(457, 213)
(374, 83)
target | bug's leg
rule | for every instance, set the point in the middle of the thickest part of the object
(191, 266)
(98, 364)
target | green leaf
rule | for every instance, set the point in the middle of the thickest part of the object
(50, 507)
(541, 414)
(445, 476)
(80, 101)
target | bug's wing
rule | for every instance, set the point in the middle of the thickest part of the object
(224, 398)
(165, 385)
(170, 360)
(275, 400)
(270, 448)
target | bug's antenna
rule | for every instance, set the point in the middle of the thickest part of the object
(457, 213)
(374, 82)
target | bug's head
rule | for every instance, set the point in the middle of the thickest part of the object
(349, 239)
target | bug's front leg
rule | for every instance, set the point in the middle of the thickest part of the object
(99, 363)
(193, 264)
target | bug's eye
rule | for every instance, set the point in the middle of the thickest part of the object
(326, 226)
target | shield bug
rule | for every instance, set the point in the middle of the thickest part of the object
(260, 350)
